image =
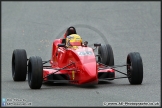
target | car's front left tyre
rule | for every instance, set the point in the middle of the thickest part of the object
(134, 68)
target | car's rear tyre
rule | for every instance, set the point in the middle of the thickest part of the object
(35, 72)
(110, 56)
(19, 65)
(106, 55)
(134, 68)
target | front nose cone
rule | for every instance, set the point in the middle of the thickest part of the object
(89, 74)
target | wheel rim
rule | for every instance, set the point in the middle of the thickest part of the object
(29, 73)
(129, 68)
(99, 56)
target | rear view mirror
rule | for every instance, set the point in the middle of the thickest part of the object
(85, 43)
(61, 45)
(97, 44)
(63, 41)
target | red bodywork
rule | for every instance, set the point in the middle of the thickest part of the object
(83, 68)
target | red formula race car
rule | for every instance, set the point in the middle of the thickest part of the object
(74, 62)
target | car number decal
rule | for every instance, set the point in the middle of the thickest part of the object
(84, 53)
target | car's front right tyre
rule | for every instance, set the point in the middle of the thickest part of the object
(35, 72)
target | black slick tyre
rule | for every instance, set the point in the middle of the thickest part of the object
(19, 65)
(134, 68)
(35, 72)
(106, 56)
(110, 56)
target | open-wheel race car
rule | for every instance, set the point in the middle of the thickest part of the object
(74, 62)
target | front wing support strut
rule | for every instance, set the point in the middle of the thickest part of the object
(112, 67)
(59, 70)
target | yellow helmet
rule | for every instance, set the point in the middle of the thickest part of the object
(73, 40)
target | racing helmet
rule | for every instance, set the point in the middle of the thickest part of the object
(73, 40)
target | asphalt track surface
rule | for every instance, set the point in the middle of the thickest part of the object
(126, 26)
